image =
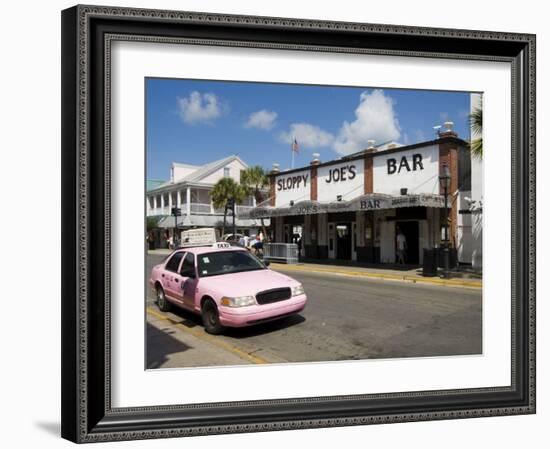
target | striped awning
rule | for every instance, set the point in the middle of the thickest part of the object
(372, 201)
(208, 221)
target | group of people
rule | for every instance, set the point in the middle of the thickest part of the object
(254, 243)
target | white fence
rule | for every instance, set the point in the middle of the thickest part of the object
(281, 252)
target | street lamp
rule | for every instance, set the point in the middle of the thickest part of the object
(445, 182)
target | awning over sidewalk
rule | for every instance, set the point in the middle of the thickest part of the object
(208, 221)
(372, 201)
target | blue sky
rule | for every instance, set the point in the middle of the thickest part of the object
(196, 122)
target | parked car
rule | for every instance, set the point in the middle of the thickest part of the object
(227, 285)
(231, 238)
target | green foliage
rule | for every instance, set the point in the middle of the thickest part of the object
(152, 223)
(224, 190)
(476, 125)
(254, 180)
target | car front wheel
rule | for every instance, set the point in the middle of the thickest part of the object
(211, 317)
(163, 304)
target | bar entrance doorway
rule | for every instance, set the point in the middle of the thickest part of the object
(410, 231)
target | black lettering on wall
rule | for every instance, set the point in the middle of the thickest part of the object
(391, 166)
(417, 161)
(404, 164)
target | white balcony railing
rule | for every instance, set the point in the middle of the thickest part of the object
(196, 208)
(201, 208)
(243, 209)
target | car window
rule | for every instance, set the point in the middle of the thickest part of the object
(226, 262)
(174, 262)
(188, 263)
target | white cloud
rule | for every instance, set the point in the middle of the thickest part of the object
(375, 119)
(419, 135)
(199, 107)
(307, 136)
(262, 119)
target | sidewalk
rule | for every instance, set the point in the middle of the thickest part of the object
(392, 273)
(160, 251)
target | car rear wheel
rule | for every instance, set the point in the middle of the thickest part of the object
(211, 317)
(162, 302)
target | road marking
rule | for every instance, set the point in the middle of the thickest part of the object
(382, 276)
(210, 339)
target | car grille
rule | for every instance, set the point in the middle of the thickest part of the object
(273, 295)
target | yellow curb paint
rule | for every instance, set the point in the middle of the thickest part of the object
(210, 339)
(391, 277)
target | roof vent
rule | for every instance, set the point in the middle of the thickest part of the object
(448, 132)
(371, 148)
(275, 168)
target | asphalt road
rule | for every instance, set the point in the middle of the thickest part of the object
(346, 318)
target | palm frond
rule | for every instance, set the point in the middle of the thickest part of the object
(476, 148)
(476, 125)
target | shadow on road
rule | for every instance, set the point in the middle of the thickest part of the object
(159, 345)
(190, 320)
(264, 328)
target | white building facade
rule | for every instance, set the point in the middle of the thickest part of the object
(352, 208)
(189, 190)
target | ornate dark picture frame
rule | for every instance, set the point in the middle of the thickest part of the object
(87, 33)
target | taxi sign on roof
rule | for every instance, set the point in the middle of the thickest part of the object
(198, 237)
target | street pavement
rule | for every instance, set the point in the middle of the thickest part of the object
(346, 318)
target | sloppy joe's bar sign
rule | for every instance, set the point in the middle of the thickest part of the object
(292, 182)
(292, 187)
(365, 202)
(344, 179)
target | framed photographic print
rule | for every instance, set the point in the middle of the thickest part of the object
(276, 224)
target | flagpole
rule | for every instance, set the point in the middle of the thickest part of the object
(292, 151)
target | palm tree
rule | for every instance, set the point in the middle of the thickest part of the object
(476, 124)
(254, 180)
(224, 190)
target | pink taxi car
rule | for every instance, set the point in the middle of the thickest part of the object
(226, 285)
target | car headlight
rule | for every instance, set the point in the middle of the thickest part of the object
(298, 290)
(238, 301)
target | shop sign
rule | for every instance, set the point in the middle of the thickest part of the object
(415, 164)
(365, 202)
(345, 173)
(292, 182)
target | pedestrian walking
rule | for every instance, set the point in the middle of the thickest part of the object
(258, 246)
(401, 244)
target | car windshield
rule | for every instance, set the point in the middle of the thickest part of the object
(226, 262)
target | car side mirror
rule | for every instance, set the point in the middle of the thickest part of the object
(267, 263)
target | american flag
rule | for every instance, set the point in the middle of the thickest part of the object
(295, 146)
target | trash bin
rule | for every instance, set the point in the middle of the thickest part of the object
(429, 266)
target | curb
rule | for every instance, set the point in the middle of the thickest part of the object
(385, 276)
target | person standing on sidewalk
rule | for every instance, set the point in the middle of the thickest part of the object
(401, 244)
